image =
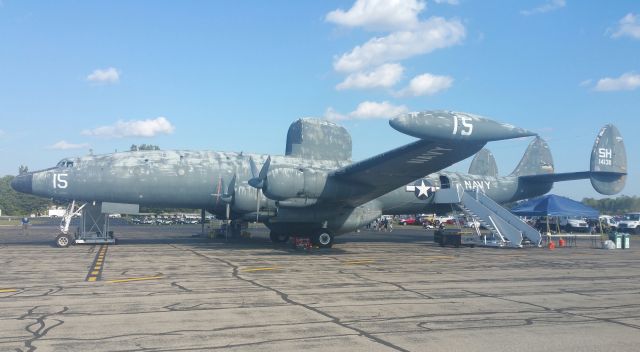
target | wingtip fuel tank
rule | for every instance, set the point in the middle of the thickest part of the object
(455, 126)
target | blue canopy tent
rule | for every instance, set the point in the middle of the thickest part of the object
(553, 205)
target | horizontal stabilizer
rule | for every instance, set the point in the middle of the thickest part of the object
(608, 171)
(455, 126)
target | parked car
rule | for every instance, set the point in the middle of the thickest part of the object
(408, 221)
(608, 221)
(630, 223)
(574, 223)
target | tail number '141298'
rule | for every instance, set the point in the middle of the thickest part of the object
(60, 181)
(467, 126)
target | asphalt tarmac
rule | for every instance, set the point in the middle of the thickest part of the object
(163, 289)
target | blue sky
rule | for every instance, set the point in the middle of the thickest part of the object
(232, 75)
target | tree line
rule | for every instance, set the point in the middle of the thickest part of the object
(13, 203)
(614, 206)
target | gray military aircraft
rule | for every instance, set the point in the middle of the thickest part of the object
(315, 190)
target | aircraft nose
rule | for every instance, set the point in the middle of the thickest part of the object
(23, 183)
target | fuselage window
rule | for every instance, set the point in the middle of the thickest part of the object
(65, 164)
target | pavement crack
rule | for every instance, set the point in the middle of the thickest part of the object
(175, 284)
(41, 326)
(563, 311)
(285, 297)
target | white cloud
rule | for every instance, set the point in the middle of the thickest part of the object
(628, 26)
(383, 76)
(368, 110)
(379, 14)
(331, 114)
(586, 83)
(450, 2)
(427, 84)
(107, 75)
(64, 145)
(552, 5)
(373, 110)
(434, 33)
(628, 81)
(133, 128)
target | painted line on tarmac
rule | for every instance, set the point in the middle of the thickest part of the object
(250, 270)
(95, 271)
(7, 290)
(132, 279)
(361, 261)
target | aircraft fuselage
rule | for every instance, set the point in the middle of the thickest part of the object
(198, 179)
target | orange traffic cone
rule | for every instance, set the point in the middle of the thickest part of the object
(561, 243)
(552, 245)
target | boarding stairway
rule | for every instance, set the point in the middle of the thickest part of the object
(507, 229)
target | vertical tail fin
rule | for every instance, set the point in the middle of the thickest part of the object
(484, 164)
(536, 160)
(608, 161)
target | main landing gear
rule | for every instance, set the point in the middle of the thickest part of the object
(321, 238)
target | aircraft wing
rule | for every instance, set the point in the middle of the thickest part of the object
(445, 138)
(385, 172)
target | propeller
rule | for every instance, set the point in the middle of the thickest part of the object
(227, 197)
(258, 180)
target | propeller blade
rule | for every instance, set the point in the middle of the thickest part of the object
(228, 210)
(265, 169)
(259, 193)
(232, 186)
(230, 192)
(254, 168)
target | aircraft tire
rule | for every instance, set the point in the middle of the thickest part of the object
(63, 241)
(278, 237)
(323, 239)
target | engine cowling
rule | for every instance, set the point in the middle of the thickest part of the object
(286, 183)
(245, 198)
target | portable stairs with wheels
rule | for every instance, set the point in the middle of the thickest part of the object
(507, 229)
(93, 227)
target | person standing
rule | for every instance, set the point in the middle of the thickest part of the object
(25, 225)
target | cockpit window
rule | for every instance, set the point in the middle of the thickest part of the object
(65, 163)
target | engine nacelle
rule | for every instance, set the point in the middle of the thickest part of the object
(245, 200)
(285, 183)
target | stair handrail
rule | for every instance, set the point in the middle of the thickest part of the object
(496, 229)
